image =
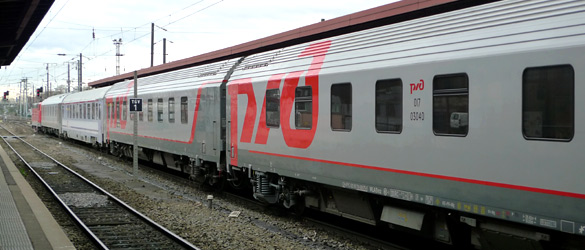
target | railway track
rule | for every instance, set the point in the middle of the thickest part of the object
(108, 221)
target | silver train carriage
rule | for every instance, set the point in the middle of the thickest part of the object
(179, 125)
(51, 114)
(468, 113)
(82, 116)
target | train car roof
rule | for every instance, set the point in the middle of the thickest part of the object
(88, 95)
(387, 14)
(56, 99)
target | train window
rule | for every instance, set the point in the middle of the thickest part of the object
(124, 110)
(303, 107)
(149, 110)
(118, 114)
(159, 110)
(184, 109)
(141, 116)
(93, 111)
(172, 110)
(451, 104)
(389, 106)
(273, 108)
(548, 103)
(109, 111)
(88, 111)
(341, 106)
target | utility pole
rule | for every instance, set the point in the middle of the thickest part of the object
(22, 103)
(164, 50)
(152, 45)
(79, 72)
(25, 97)
(68, 77)
(135, 144)
(48, 88)
(20, 96)
(118, 55)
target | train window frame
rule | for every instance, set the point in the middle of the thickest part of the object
(150, 113)
(449, 93)
(392, 82)
(549, 90)
(171, 105)
(272, 108)
(303, 103)
(184, 110)
(339, 90)
(160, 110)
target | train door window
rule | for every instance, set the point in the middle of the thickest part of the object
(184, 109)
(109, 111)
(149, 110)
(303, 107)
(124, 110)
(548, 103)
(451, 104)
(88, 111)
(159, 110)
(341, 107)
(389, 106)
(273, 108)
(141, 116)
(117, 114)
(172, 110)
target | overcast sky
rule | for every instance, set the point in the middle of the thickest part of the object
(192, 27)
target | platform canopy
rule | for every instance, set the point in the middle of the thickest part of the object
(18, 21)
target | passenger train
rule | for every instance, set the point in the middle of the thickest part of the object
(462, 126)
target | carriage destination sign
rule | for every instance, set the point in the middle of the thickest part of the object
(135, 105)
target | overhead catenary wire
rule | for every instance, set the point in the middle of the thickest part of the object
(138, 31)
